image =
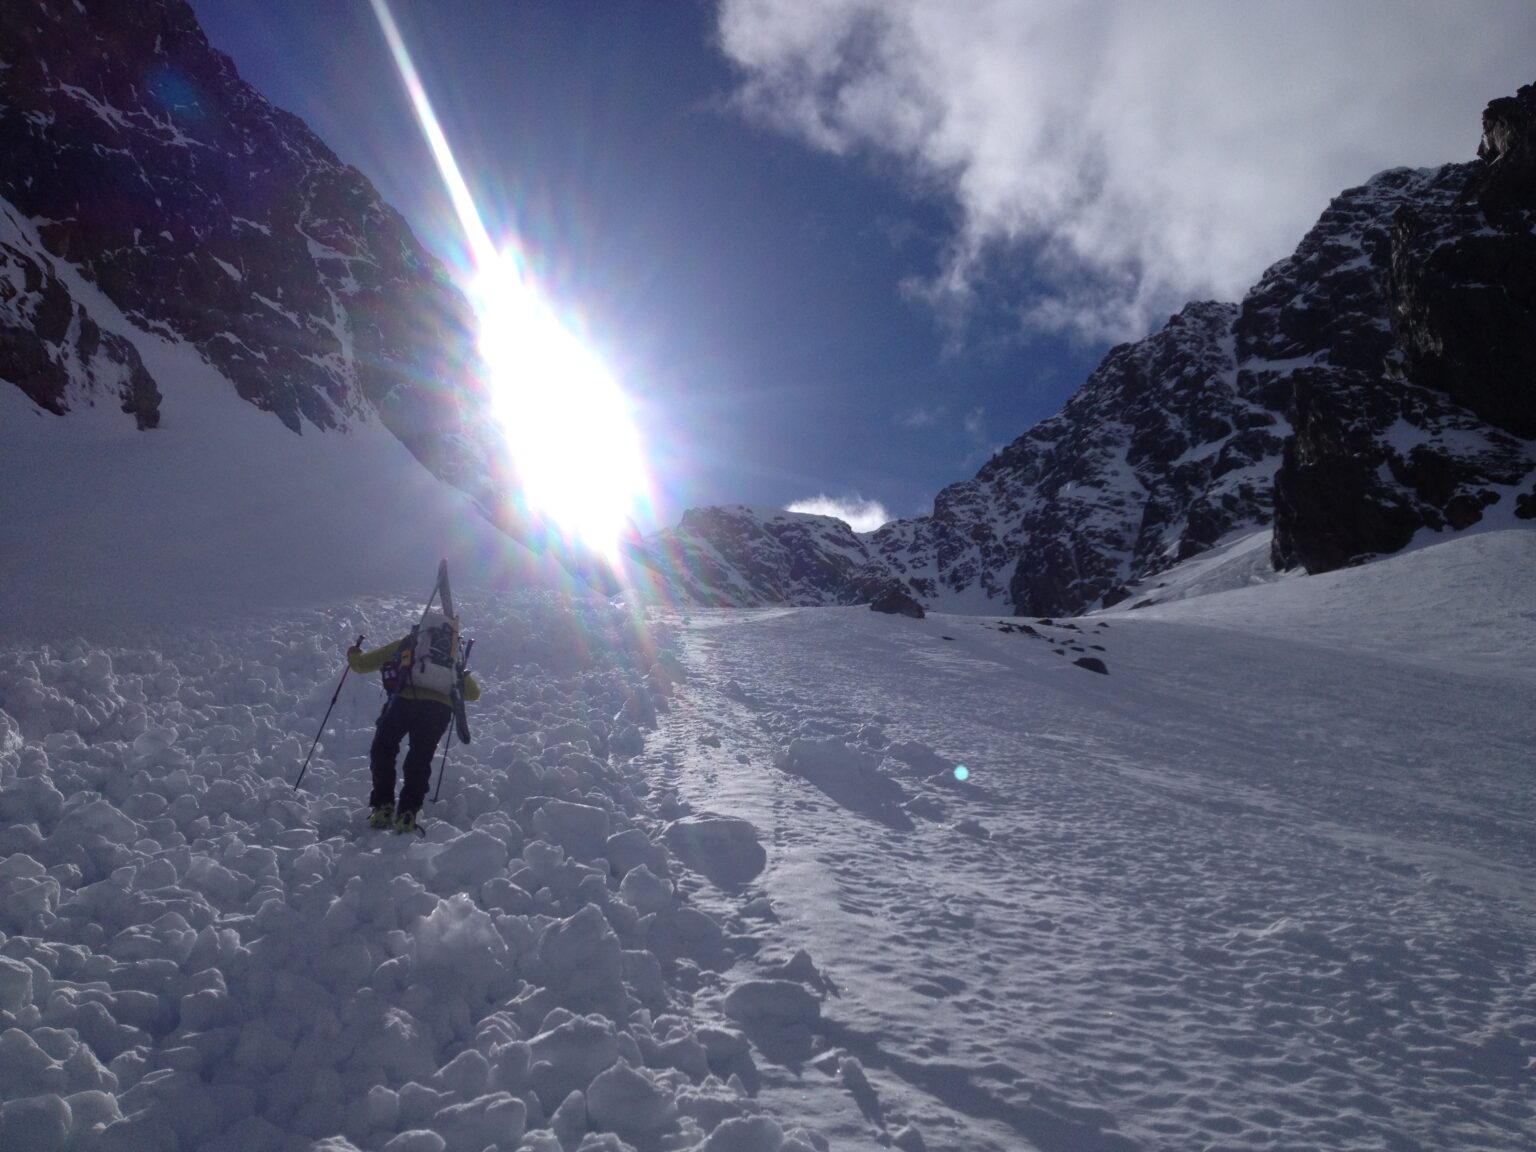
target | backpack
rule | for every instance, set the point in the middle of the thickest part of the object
(428, 658)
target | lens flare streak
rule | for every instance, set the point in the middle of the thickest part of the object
(566, 422)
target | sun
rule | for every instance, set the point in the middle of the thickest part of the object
(567, 423)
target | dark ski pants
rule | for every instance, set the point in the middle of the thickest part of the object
(424, 722)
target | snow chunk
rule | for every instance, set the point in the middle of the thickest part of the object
(395, 1043)
(646, 892)
(36, 1123)
(15, 985)
(723, 848)
(496, 1119)
(631, 848)
(583, 959)
(745, 1134)
(580, 829)
(90, 1113)
(628, 1101)
(781, 1003)
(96, 817)
(470, 858)
(27, 1070)
(850, 776)
(417, 1140)
(458, 943)
(568, 1056)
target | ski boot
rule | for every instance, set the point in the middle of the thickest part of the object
(383, 816)
(406, 822)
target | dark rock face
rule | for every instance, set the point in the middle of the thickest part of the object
(745, 556)
(53, 349)
(1464, 276)
(203, 213)
(1425, 422)
(1164, 450)
(895, 602)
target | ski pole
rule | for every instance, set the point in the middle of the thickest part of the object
(334, 698)
(442, 768)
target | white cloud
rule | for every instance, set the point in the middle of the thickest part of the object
(858, 513)
(920, 417)
(1142, 153)
(975, 423)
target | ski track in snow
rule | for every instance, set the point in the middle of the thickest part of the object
(1237, 894)
(1245, 891)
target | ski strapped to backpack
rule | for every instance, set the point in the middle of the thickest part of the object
(429, 657)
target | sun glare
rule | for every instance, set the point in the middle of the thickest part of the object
(566, 421)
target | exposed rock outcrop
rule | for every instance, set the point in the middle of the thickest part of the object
(894, 602)
(1427, 421)
(51, 346)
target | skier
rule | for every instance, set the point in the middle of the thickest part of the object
(412, 711)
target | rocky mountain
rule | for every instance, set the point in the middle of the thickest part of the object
(134, 158)
(745, 556)
(1379, 382)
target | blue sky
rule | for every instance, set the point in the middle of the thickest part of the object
(848, 248)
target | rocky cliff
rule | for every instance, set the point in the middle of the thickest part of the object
(133, 153)
(1424, 419)
(1379, 382)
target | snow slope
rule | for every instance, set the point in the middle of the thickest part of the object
(1265, 884)
(1425, 600)
(1244, 891)
(106, 529)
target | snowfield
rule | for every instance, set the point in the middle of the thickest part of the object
(710, 880)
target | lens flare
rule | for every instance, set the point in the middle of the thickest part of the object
(962, 773)
(566, 422)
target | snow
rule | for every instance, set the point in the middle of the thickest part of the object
(714, 879)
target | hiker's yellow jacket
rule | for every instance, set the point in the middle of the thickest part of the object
(373, 661)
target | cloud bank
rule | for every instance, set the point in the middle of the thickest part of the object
(858, 513)
(1136, 155)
